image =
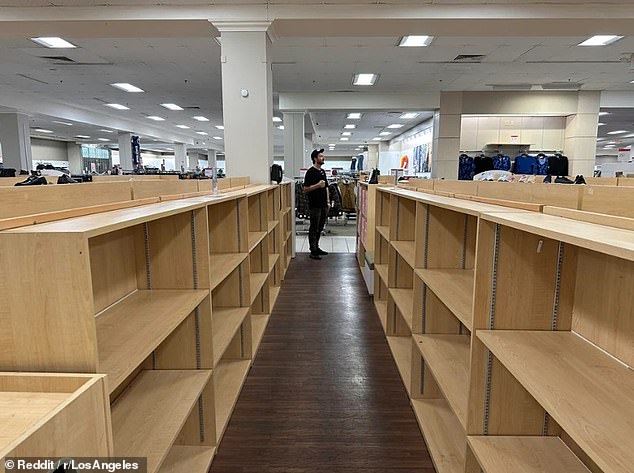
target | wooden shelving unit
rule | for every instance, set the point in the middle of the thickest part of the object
(366, 196)
(510, 329)
(169, 300)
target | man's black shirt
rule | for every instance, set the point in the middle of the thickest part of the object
(318, 197)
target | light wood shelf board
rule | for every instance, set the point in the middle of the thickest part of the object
(188, 459)
(148, 416)
(258, 326)
(274, 294)
(255, 238)
(584, 390)
(402, 352)
(499, 454)
(443, 434)
(404, 300)
(454, 287)
(273, 259)
(229, 376)
(288, 235)
(381, 308)
(225, 322)
(406, 250)
(128, 331)
(384, 230)
(447, 356)
(222, 265)
(257, 282)
(382, 271)
(272, 225)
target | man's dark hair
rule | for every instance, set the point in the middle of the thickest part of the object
(316, 153)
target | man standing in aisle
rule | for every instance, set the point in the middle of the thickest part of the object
(316, 187)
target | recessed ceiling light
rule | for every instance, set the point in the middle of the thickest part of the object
(409, 116)
(617, 132)
(377, 138)
(385, 133)
(182, 127)
(344, 139)
(277, 119)
(365, 79)
(332, 144)
(217, 138)
(281, 127)
(204, 133)
(171, 106)
(415, 41)
(117, 106)
(103, 139)
(42, 130)
(63, 123)
(354, 116)
(200, 118)
(600, 40)
(628, 136)
(346, 133)
(127, 87)
(54, 42)
(395, 126)
(350, 126)
(107, 131)
(600, 124)
(632, 82)
(156, 118)
(602, 114)
(83, 137)
(220, 127)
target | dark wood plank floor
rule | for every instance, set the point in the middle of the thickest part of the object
(324, 394)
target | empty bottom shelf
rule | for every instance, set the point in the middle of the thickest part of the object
(258, 326)
(402, 352)
(381, 308)
(229, 376)
(188, 459)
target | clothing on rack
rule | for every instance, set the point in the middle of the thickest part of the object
(420, 159)
(466, 167)
(558, 165)
(335, 198)
(302, 207)
(348, 200)
(482, 163)
(501, 163)
(525, 164)
(542, 164)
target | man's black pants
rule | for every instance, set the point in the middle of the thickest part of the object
(318, 217)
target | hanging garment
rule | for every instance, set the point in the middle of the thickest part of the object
(348, 201)
(335, 198)
(502, 163)
(525, 164)
(466, 167)
(404, 162)
(302, 208)
(360, 162)
(542, 164)
(482, 164)
(417, 159)
(558, 165)
(353, 164)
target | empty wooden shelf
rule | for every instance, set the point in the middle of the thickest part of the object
(131, 329)
(188, 459)
(443, 434)
(501, 454)
(222, 265)
(257, 282)
(229, 377)
(404, 300)
(258, 326)
(148, 416)
(406, 250)
(454, 287)
(226, 322)
(384, 230)
(447, 356)
(273, 259)
(274, 293)
(402, 352)
(381, 270)
(587, 392)
(255, 238)
(381, 308)
(272, 225)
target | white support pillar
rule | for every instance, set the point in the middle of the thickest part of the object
(192, 160)
(446, 144)
(75, 163)
(580, 143)
(125, 151)
(247, 99)
(15, 137)
(180, 156)
(294, 144)
(211, 158)
(373, 157)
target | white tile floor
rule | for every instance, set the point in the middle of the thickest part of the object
(331, 244)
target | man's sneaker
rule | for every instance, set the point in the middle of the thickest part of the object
(321, 252)
(548, 179)
(579, 179)
(314, 256)
(563, 180)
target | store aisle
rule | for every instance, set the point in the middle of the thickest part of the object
(324, 394)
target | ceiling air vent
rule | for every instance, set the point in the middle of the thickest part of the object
(561, 86)
(510, 86)
(469, 57)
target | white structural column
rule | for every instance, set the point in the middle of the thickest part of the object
(295, 156)
(446, 144)
(211, 158)
(73, 150)
(373, 157)
(580, 142)
(192, 159)
(125, 150)
(15, 137)
(247, 99)
(180, 156)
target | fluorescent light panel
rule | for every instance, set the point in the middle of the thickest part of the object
(107, 131)
(395, 126)
(156, 118)
(182, 127)
(63, 123)
(277, 119)
(220, 127)
(602, 114)
(600, 124)
(42, 130)
(415, 41)
(83, 137)
(350, 126)
(117, 106)
(103, 139)
(365, 79)
(354, 116)
(127, 87)
(54, 42)
(204, 133)
(377, 138)
(217, 138)
(385, 133)
(281, 127)
(171, 106)
(617, 132)
(409, 116)
(344, 139)
(346, 133)
(200, 118)
(600, 40)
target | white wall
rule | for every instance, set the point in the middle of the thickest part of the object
(49, 151)
(390, 154)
